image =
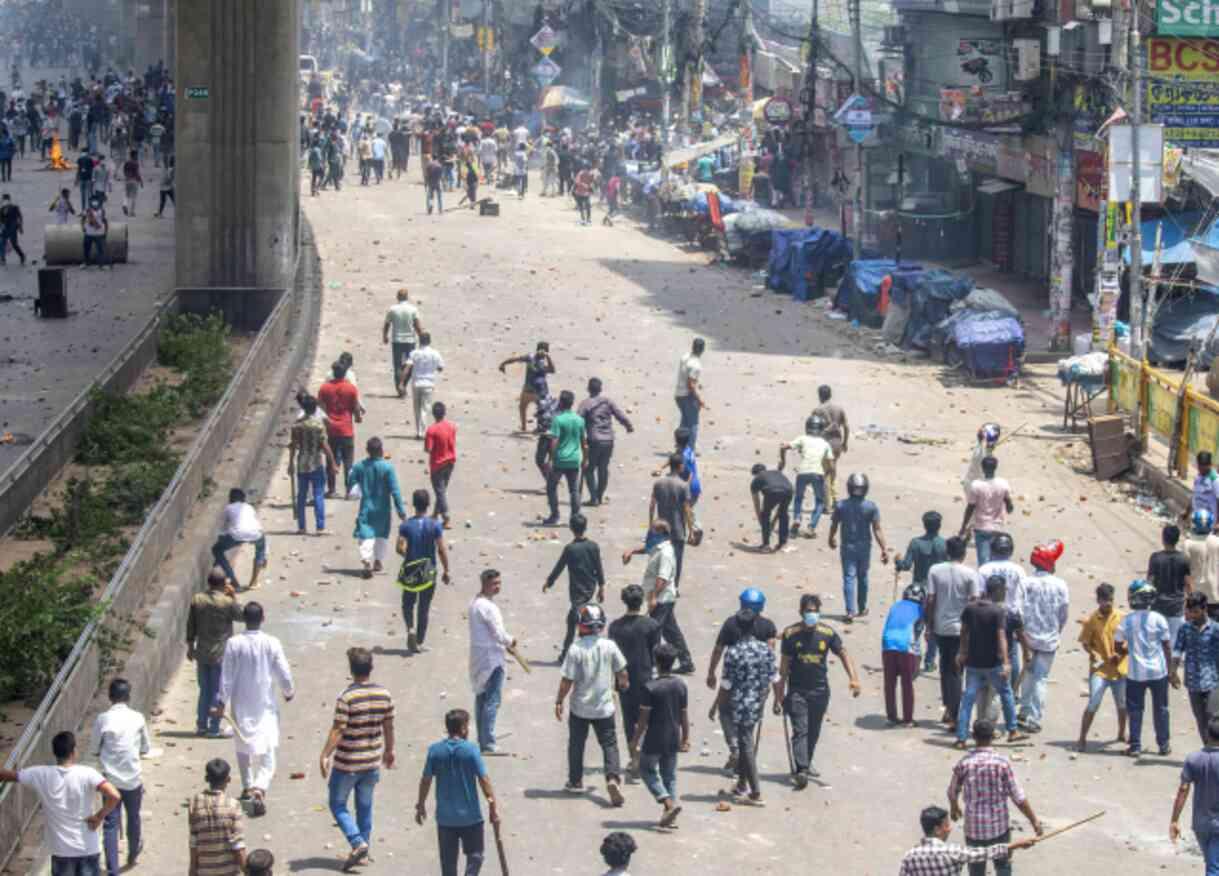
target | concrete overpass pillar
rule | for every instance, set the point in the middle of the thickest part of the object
(171, 34)
(237, 142)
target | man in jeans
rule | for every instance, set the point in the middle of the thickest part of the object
(672, 503)
(459, 772)
(689, 392)
(420, 539)
(990, 501)
(241, 526)
(599, 413)
(664, 730)
(489, 644)
(1201, 770)
(360, 741)
(592, 668)
(1143, 636)
(340, 400)
(309, 458)
(67, 792)
(951, 586)
(1197, 646)
(401, 331)
(1046, 605)
(209, 625)
(816, 460)
(986, 780)
(120, 739)
(859, 519)
(1106, 669)
(983, 658)
(924, 552)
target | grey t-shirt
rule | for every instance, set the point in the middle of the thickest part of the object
(671, 494)
(1202, 771)
(953, 585)
(591, 664)
(855, 518)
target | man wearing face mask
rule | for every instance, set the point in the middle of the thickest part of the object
(804, 684)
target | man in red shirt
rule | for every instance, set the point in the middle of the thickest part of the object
(341, 402)
(440, 442)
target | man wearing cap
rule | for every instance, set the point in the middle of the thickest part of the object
(1046, 603)
(803, 690)
(590, 671)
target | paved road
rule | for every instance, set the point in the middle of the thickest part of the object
(46, 363)
(623, 306)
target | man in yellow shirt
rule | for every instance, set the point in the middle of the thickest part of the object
(1107, 669)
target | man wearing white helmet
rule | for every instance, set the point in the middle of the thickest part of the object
(592, 667)
(1143, 636)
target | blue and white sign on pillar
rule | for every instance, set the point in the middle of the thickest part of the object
(855, 115)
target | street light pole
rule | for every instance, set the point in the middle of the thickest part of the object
(666, 53)
(1138, 304)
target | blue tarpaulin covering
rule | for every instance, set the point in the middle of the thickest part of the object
(727, 205)
(933, 294)
(802, 256)
(1182, 322)
(858, 293)
(989, 342)
(1175, 248)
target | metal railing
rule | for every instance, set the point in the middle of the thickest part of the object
(75, 686)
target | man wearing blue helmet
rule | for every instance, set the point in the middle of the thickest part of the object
(764, 630)
(1202, 574)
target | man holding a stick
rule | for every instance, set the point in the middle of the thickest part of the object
(934, 856)
(986, 780)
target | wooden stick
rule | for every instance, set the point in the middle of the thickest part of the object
(499, 847)
(1054, 833)
(1011, 434)
(516, 655)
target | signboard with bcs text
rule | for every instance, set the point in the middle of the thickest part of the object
(1183, 89)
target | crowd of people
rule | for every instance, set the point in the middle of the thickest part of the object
(992, 629)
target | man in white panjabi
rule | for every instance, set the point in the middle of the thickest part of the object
(254, 664)
(489, 644)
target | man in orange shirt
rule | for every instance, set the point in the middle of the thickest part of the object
(341, 402)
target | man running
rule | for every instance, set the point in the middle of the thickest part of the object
(420, 540)
(537, 365)
(581, 557)
(599, 413)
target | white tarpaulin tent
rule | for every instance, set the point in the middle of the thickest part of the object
(692, 153)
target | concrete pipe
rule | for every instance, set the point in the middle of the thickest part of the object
(65, 244)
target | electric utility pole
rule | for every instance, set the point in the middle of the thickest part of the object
(1138, 305)
(808, 99)
(666, 59)
(861, 170)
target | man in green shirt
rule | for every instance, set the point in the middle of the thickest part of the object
(568, 450)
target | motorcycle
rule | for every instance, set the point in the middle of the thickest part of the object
(979, 67)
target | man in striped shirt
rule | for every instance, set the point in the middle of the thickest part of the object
(934, 856)
(361, 739)
(217, 841)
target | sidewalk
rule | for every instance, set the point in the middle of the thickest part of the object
(1030, 297)
(47, 362)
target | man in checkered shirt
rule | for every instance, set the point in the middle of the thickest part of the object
(987, 780)
(935, 857)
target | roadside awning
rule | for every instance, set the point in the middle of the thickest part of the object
(693, 153)
(1175, 248)
(562, 97)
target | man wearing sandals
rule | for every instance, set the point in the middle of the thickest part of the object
(749, 668)
(254, 665)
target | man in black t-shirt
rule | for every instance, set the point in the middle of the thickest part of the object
(983, 657)
(585, 578)
(636, 636)
(11, 225)
(764, 631)
(664, 729)
(771, 492)
(804, 682)
(1168, 571)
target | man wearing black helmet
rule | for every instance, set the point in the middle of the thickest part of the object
(803, 691)
(860, 521)
(590, 671)
(816, 462)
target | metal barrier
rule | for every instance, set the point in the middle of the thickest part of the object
(26, 478)
(1157, 395)
(76, 683)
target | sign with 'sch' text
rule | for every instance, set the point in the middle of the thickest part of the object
(1188, 17)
